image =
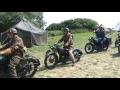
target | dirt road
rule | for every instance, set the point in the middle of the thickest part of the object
(97, 65)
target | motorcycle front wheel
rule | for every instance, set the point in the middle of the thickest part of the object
(119, 48)
(116, 43)
(28, 69)
(51, 60)
(89, 48)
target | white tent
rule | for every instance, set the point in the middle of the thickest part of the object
(117, 27)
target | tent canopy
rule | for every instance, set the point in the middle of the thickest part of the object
(30, 34)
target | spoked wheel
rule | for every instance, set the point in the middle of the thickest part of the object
(89, 48)
(118, 48)
(116, 43)
(50, 61)
(77, 54)
(28, 70)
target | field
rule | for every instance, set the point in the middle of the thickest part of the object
(97, 65)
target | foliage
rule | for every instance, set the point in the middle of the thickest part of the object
(79, 23)
(8, 19)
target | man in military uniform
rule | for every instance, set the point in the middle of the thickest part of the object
(68, 43)
(100, 36)
(15, 43)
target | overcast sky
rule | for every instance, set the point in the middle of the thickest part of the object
(108, 19)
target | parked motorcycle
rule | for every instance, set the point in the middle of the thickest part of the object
(57, 54)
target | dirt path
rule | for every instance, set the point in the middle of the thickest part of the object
(97, 65)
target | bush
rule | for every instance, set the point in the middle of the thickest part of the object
(55, 33)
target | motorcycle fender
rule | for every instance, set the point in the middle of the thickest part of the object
(47, 52)
(92, 44)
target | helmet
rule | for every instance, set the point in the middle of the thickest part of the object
(97, 25)
(101, 25)
(66, 29)
(13, 30)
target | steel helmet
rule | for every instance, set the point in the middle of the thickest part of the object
(66, 29)
(13, 30)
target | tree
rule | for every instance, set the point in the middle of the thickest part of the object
(8, 19)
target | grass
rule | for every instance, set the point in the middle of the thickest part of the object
(60, 32)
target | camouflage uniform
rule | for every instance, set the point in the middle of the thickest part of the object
(16, 44)
(68, 43)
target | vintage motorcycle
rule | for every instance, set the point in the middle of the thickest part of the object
(92, 45)
(117, 41)
(57, 54)
(26, 69)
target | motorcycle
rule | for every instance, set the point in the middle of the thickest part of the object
(25, 69)
(56, 55)
(117, 41)
(92, 45)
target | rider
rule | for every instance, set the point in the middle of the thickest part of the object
(68, 42)
(15, 43)
(100, 35)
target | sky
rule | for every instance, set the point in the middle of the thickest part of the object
(108, 19)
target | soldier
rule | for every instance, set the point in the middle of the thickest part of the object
(100, 35)
(68, 43)
(15, 43)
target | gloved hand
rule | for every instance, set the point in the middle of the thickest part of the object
(66, 45)
(15, 48)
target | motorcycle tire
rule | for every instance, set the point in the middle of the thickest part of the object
(116, 43)
(27, 68)
(87, 46)
(77, 54)
(119, 49)
(48, 60)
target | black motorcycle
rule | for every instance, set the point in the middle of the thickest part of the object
(56, 55)
(26, 69)
(92, 45)
(117, 41)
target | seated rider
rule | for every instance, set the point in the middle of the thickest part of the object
(67, 38)
(15, 44)
(100, 36)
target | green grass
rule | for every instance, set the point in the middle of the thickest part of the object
(60, 32)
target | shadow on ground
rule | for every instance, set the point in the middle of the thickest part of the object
(68, 64)
(115, 55)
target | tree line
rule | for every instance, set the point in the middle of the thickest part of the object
(79, 23)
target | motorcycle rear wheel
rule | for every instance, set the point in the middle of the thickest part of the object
(77, 54)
